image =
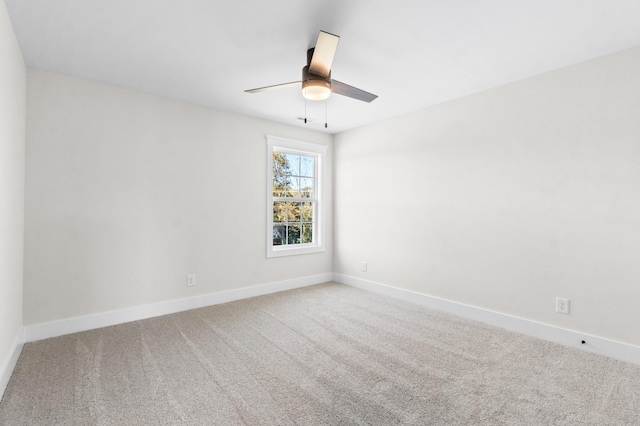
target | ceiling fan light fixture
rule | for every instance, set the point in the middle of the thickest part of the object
(316, 90)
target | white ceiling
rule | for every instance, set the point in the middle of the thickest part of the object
(412, 54)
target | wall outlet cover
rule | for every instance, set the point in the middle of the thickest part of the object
(562, 305)
(191, 280)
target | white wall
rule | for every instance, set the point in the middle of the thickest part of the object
(126, 193)
(506, 199)
(12, 149)
(503, 200)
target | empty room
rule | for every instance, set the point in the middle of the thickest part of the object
(319, 213)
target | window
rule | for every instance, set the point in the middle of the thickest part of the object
(294, 197)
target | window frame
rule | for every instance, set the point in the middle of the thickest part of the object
(278, 144)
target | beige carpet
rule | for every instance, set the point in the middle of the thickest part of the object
(326, 354)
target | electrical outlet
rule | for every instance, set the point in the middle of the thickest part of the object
(191, 280)
(364, 266)
(562, 305)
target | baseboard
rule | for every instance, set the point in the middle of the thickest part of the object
(105, 319)
(10, 362)
(595, 344)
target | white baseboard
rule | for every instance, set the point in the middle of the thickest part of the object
(595, 344)
(105, 319)
(10, 362)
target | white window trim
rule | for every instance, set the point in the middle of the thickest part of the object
(294, 146)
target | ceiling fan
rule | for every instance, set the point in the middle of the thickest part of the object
(317, 83)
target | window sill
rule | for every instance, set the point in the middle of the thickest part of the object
(280, 251)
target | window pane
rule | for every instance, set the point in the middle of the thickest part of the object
(280, 174)
(306, 187)
(306, 212)
(279, 211)
(293, 187)
(279, 235)
(293, 212)
(306, 166)
(307, 233)
(278, 191)
(294, 164)
(293, 234)
(280, 164)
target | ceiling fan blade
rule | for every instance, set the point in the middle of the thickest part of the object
(274, 87)
(323, 54)
(352, 92)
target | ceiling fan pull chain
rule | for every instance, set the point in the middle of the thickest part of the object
(305, 110)
(325, 113)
